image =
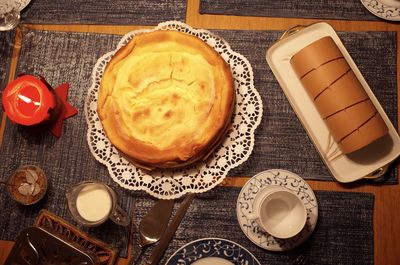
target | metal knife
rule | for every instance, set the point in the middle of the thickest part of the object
(159, 249)
(152, 227)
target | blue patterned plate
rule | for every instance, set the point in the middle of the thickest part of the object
(213, 251)
(277, 177)
(386, 9)
(21, 4)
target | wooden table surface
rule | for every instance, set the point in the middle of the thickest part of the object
(387, 197)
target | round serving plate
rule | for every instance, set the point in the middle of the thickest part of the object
(199, 177)
(215, 251)
(385, 9)
(22, 4)
(275, 177)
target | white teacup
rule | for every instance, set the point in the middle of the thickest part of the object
(279, 212)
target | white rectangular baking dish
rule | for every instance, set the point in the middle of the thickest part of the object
(369, 162)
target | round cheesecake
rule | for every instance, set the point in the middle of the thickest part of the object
(166, 99)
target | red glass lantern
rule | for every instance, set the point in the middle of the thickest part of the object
(31, 101)
(28, 101)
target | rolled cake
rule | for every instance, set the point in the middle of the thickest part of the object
(166, 99)
(338, 95)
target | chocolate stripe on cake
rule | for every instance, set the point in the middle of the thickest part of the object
(315, 68)
(334, 81)
(352, 105)
(370, 118)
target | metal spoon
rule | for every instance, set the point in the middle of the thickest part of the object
(152, 226)
(37, 257)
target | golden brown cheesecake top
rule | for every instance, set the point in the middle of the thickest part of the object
(165, 98)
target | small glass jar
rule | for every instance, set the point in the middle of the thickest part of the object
(91, 203)
(27, 185)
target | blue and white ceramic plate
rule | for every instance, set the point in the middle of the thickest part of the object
(386, 9)
(277, 177)
(21, 4)
(216, 251)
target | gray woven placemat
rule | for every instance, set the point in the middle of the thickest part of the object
(5, 55)
(333, 9)
(124, 12)
(343, 235)
(281, 141)
(62, 57)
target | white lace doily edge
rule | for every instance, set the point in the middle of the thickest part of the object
(257, 122)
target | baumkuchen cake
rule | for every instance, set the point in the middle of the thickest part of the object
(338, 95)
(166, 99)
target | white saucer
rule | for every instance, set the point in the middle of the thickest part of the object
(216, 251)
(290, 181)
(387, 9)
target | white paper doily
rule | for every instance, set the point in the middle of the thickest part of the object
(199, 177)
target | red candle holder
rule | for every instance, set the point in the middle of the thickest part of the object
(30, 101)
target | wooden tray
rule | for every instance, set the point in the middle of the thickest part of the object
(104, 253)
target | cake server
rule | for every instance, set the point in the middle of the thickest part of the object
(152, 227)
(159, 250)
